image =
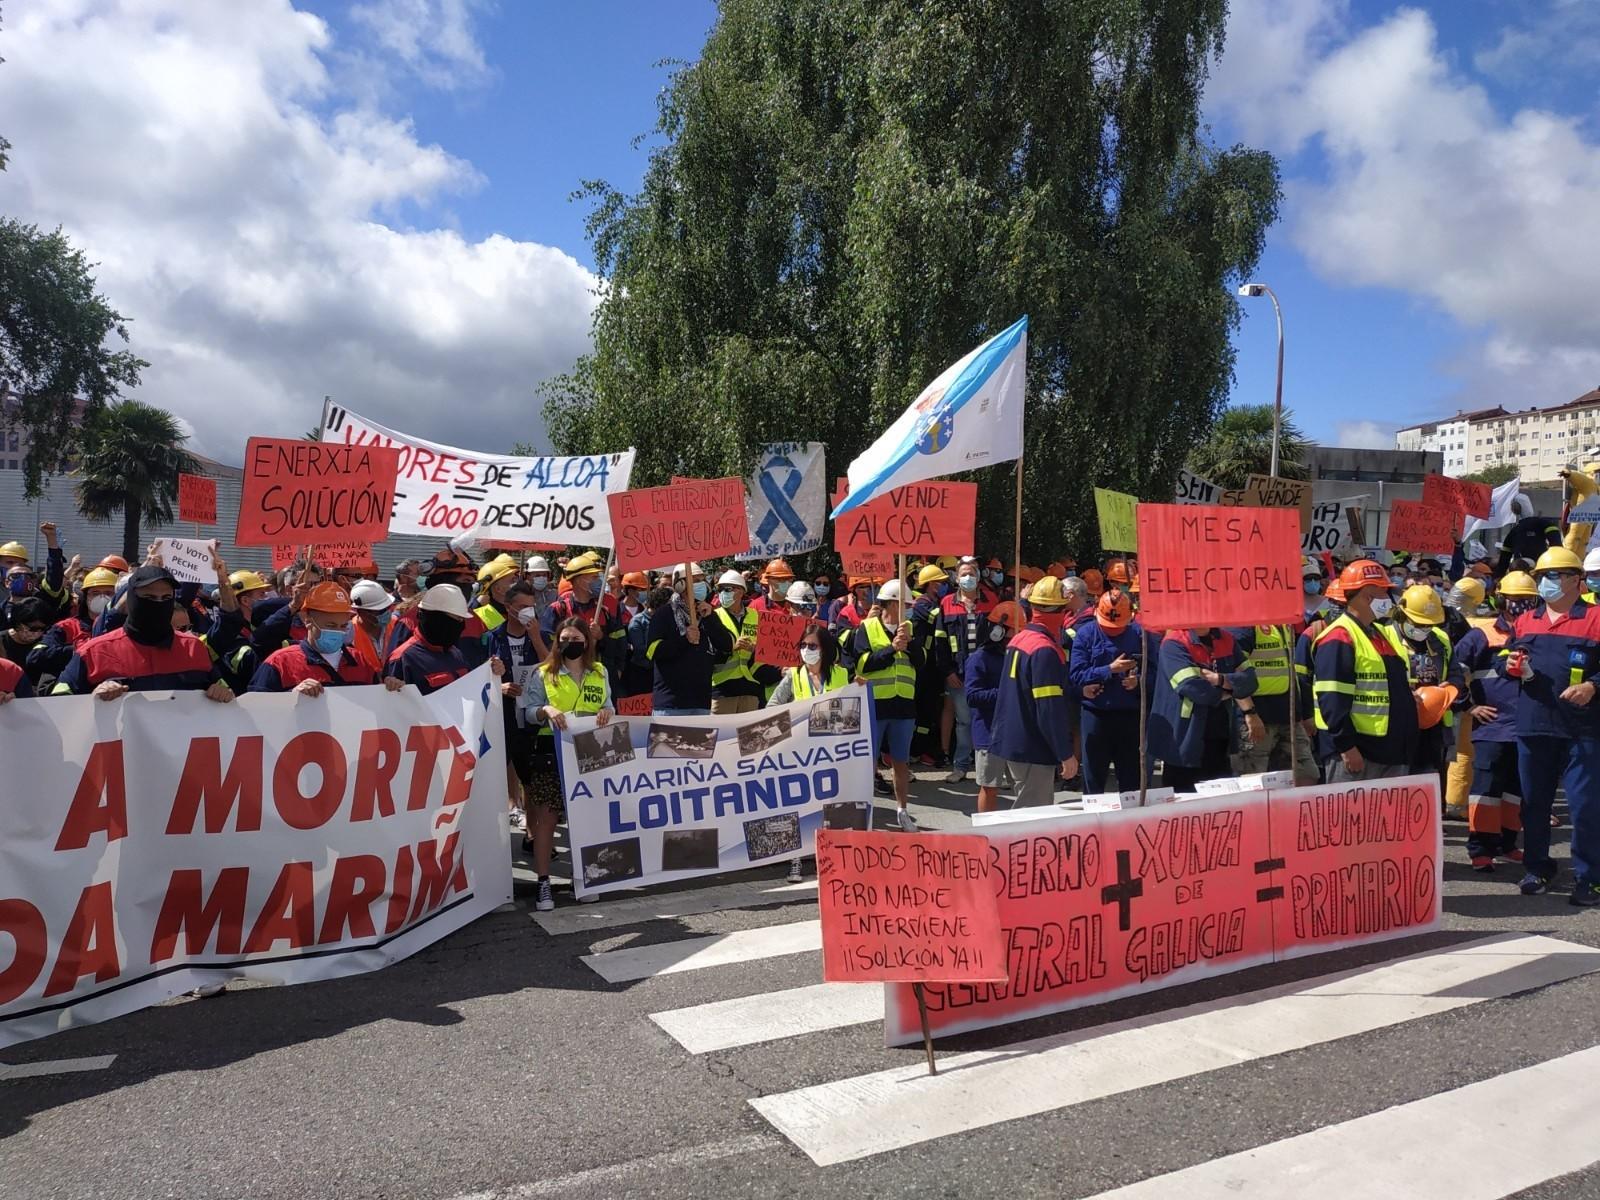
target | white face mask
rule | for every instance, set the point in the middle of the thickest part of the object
(97, 604)
(811, 655)
(528, 616)
(890, 626)
(540, 582)
(997, 633)
(1381, 608)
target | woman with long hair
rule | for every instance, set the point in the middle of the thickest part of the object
(819, 672)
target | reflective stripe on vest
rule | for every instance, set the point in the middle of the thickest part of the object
(1369, 694)
(581, 700)
(739, 663)
(1270, 658)
(896, 681)
(800, 681)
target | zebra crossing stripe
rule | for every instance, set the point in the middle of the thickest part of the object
(768, 1016)
(889, 1110)
(694, 954)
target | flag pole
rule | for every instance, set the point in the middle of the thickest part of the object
(1291, 645)
(1144, 749)
(1016, 561)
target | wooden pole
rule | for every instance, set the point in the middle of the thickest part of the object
(1016, 548)
(927, 1035)
(1144, 749)
(1294, 707)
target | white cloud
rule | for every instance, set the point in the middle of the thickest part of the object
(1363, 435)
(433, 39)
(1426, 188)
(246, 213)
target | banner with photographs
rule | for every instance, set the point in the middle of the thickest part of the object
(651, 799)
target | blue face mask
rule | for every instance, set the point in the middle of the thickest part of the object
(1550, 588)
(997, 576)
(700, 590)
(383, 618)
(19, 585)
(727, 596)
(330, 641)
(822, 591)
(1592, 582)
(1313, 587)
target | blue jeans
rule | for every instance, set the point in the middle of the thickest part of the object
(1542, 763)
(1110, 742)
(961, 753)
(894, 737)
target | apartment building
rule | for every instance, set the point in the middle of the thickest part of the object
(1539, 442)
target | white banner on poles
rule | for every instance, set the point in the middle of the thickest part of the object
(155, 843)
(784, 501)
(661, 798)
(446, 491)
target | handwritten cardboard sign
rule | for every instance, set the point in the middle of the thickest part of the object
(1327, 531)
(1118, 528)
(690, 520)
(1205, 565)
(296, 491)
(909, 908)
(1422, 528)
(189, 559)
(197, 499)
(1194, 489)
(778, 637)
(1274, 492)
(635, 706)
(1469, 499)
(326, 555)
(931, 517)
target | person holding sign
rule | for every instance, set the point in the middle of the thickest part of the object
(734, 688)
(495, 578)
(687, 640)
(1199, 673)
(432, 658)
(585, 601)
(887, 660)
(1365, 711)
(569, 683)
(14, 682)
(1103, 665)
(325, 658)
(819, 673)
(1034, 721)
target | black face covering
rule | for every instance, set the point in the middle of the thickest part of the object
(149, 621)
(572, 650)
(440, 629)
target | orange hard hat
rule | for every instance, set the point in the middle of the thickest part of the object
(635, 579)
(1432, 703)
(1008, 614)
(115, 562)
(1094, 582)
(1363, 573)
(327, 598)
(1114, 611)
(1058, 569)
(994, 564)
(1029, 574)
(1117, 571)
(777, 569)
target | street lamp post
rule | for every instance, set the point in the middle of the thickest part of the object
(1258, 289)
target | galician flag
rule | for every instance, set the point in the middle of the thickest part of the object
(971, 416)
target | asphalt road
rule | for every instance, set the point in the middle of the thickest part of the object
(497, 1063)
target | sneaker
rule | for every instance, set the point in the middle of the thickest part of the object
(1533, 883)
(1511, 856)
(796, 875)
(881, 786)
(1585, 895)
(516, 819)
(546, 900)
(956, 775)
(1483, 863)
(908, 823)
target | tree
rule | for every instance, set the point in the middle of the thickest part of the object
(132, 457)
(54, 329)
(1494, 476)
(1240, 445)
(851, 194)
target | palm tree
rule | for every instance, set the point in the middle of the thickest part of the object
(1240, 445)
(131, 459)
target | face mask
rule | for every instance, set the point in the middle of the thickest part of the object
(330, 641)
(997, 633)
(1592, 582)
(1415, 632)
(149, 621)
(727, 597)
(541, 582)
(811, 655)
(1398, 581)
(969, 583)
(1515, 608)
(19, 585)
(997, 576)
(1051, 620)
(1313, 587)
(528, 616)
(98, 604)
(890, 626)
(440, 629)
(701, 590)
(571, 651)
(1381, 608)
(1550, 588)
(466, 591)
(822, 590)
(382, 618)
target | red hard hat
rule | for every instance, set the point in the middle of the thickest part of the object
(1363, 573)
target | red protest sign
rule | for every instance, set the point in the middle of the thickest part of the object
(663, 526)
(909, 908)
(197, 499)
(635, 706)
(326, 555)
(1461, 495)
(778, 638)
(1421, 527)
(1204, 565)
(920, 518)
(300, 491)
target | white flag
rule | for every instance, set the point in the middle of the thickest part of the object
(1502, 509)
(971, 416)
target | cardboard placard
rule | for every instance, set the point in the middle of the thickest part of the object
(1275, 492)
(911, 908)
(692, 520)
(1204, 565)
(921, 518)
(1194, 489)
(1327, 531)
(1461, 495)
(326, 555)
(1422, 528)
(197, 499)
(1118, 528)
(635, 706)
(778, 637)
(297, 491)
(189, 559)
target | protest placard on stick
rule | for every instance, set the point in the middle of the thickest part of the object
(307, 492)
(197, 499)
(1422, 528)
(1204, 565)
(1118, 528)
(326, 555)
(189, 559)
(921, 518)
(1461, 495)
(1275, 492)
(778, 638)
(694, 519)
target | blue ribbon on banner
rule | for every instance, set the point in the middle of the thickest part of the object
(779, 498)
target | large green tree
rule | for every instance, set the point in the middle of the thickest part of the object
(1239, 445)
(132, 457)
(850, 194)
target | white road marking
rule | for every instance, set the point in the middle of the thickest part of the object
(747, 1020)
(718, 950)
(1533, 1124)
(645, 1169)
(63, 1066)
(889, 1110)
(612, 910)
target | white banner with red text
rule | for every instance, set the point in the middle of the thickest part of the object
(156, 843)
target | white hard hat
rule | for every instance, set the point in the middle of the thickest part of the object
(370, 596)
(446, 599)
(731, 578)
(893, 590)
(801, 592)
(1591, 561)
(536, 565)
(694, 568)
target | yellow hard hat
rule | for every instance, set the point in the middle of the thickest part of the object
(1471, 589)
(587, 563)
(1047, 593)
(948, 561)
(930, 574)
(100, 577)
(1421, 604)
(14, 550)
(246, 581)
(1558, 558)
(1518, 583)
(497, 568)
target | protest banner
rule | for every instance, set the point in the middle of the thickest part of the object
(1461, 495)
(635, 706)
(301, 491)
(189, 559)
(1118, 527)
(1274, 492)
(443, 490)
(778, 637)
(901, 908)
(1202, 566)
(784, 505)
(326, 555)
(197, 499)
(1421, 528)
(1104, 905)
(161, 842)
(689, 520)
(1193, 489)
(1327, 531)
(663, 798)
(920, 518)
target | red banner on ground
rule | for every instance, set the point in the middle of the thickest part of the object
(1459, 495)
(197, 499)
(1204, 565)
(920, 518)
(778, 638)
(1422, 528)
(914, 909)
(690, 520)
(297, 491)
(326, 555)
